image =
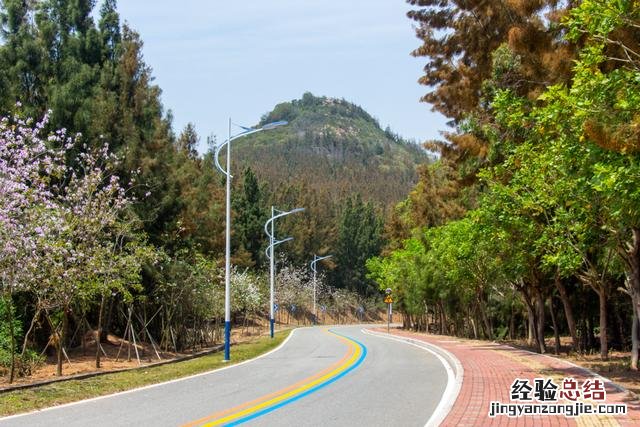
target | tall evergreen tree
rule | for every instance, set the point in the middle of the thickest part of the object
(188, 141)
(459, 39)
(359, 238)
(251, 214)
(109, 26)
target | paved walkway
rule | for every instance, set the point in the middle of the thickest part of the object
(490, 369)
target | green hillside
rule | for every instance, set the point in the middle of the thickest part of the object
(334, 147)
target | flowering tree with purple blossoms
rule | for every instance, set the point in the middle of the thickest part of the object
(95, 248)
(26, 204)
(67, 236)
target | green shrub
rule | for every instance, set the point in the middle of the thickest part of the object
(5, 333)
(24, 364)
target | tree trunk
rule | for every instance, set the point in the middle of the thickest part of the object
(604, 347)
(12, 333)
(483, 315)
(556, 333)
(28, 333)
(512, 325)
(474, 328)
(568, 312)
(487, 324)
(591, 338)
(634, 276)
(443, 319)
(530, 326)
(83, 334)
(60, 340)
(98, 333)
(634, 342)
(104, 330)
(539, 319)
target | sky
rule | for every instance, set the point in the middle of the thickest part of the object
(216, 60)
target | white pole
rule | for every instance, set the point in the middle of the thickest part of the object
(316, 258)
(272, 277)
(315, 312)
(227, 260)
(272, 262)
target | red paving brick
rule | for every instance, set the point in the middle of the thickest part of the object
(489, 371)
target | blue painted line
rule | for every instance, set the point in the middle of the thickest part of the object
(308, 392)
(227, 340)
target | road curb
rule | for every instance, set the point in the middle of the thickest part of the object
(455, 373)
(133, 390)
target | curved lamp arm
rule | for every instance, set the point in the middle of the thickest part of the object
(280, 215)
(316, 259)
(248, 131)
(268, 249)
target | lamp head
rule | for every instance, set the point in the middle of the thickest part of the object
(275, 124)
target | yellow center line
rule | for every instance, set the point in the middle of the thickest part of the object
(270, 399)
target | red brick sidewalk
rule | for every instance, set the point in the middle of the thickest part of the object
(489, 371)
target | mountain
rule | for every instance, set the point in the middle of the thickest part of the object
(332, 147)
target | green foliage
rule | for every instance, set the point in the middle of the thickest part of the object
(25, 363)
(250, 205)
(359, 238)
(5, 333)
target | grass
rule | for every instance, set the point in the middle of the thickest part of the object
(20, 401)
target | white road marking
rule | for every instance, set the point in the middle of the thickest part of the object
(455, 374)
(93, 399)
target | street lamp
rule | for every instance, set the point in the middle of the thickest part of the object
(316, 258)
(269, 252)
(227, 254)
(275, 214)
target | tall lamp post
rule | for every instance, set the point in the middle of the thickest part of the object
(227, 254)
(269, 252)
(316, 258)
(275, 214)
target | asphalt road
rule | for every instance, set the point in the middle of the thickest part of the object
(321, 376)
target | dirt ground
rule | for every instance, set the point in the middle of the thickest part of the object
(118, 354)
(616, 368)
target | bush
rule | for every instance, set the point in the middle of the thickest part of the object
(26, 364)
(5, 334)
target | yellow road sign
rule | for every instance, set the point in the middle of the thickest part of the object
(388, 299)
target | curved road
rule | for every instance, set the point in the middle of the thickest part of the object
(333, 376)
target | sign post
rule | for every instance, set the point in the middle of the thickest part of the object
(389, 301)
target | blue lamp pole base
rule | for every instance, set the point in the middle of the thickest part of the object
(227, 340)
(272, 325)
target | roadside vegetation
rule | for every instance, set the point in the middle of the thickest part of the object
(528, 225)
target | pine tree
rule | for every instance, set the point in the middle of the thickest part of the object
(251, 214)
(109, 26)
(459, 39)
(188, 141)
(359, 238)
